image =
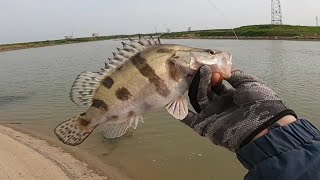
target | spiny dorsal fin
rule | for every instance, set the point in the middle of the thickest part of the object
(87, 82)
(134, 46)
(127, 51)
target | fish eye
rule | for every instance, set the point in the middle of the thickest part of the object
(211, 52)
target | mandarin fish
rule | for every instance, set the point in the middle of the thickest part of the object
(143, 76)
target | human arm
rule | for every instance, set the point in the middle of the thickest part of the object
(229, 115)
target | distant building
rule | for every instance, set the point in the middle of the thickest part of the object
(68, 37)
(95, 34)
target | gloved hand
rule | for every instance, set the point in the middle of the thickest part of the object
(232, 116)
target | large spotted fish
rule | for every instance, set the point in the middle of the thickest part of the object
(144, 75)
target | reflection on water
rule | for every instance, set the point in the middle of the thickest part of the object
(35, 83)
(9, 99)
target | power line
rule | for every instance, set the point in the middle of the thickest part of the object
(222, 14)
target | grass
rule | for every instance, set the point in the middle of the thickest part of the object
(244, 32)
(266, 31)
(7, 47)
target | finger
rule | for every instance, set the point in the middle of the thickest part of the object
(198, 82)
(189, 118)
(193, 92)
(204, 83)
(239, 77)
(216, 79)
(223, 90)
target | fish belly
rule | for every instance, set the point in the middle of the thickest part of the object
(146, 100)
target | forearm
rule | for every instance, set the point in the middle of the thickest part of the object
(288, 152)
(235, 126)
(282, 122)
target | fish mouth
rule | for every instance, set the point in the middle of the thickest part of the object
(228, 57)
(230, 60)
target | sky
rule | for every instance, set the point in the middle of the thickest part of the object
(36, 20)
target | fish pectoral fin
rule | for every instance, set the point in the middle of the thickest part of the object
(178, 70)
(178, 108)
(73, 131)
(118, 129)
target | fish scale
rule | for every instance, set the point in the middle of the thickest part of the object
(143, 76)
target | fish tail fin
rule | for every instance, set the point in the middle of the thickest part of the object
(74, 131)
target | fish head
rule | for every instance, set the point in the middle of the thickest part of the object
(218, 61)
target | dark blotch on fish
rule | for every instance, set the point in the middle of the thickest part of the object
(131, 113)
(119, 68)
(173, 70)
(146, 70)
(123, 94)
(114, 117)
(164, 50)
(108, 82)
(83, 122)
(99, 104)
(147, 106)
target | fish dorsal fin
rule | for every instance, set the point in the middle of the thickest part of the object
(129, 50)
(84, 87)
(133, 47)
(87, 82)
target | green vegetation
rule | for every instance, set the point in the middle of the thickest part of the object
(8, 47)
(255, 31)
(245, 32)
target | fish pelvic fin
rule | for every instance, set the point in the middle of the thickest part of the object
(118, 129)
(178, 108)
(73, 131)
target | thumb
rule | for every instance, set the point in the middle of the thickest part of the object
(198, 90)
(216, 79)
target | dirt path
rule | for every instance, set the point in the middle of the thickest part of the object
(24, 157)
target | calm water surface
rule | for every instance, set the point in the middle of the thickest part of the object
(34, 87)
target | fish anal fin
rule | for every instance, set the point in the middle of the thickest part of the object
(178, 108)
(135, 121)
(119, 128)
(73, 131)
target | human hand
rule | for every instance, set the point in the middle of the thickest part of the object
(232, 116)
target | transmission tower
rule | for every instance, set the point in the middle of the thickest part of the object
(276, 16)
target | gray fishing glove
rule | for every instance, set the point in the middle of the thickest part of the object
(232, 116)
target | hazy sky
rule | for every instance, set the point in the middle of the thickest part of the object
(32, 20)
